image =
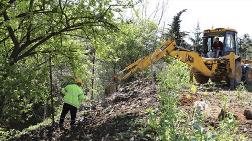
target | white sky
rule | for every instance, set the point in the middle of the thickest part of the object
(209, 13)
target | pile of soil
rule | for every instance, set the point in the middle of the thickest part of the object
(188, 99)
(117, 117)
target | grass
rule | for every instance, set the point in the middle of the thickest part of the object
(10, 134)
(173, 123)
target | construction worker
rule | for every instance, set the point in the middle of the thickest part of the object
(217, 47)
(73, 96)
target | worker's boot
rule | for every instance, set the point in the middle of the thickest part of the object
(73, 126)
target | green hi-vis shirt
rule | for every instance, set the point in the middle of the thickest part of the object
(73, 95)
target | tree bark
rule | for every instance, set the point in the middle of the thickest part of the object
(93, 73)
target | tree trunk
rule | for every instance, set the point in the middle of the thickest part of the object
(93, 73)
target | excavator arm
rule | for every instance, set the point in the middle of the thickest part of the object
(143, 63)
(169, 48)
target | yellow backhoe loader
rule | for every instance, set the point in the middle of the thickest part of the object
(228, 67)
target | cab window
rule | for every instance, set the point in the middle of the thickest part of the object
(229, 43)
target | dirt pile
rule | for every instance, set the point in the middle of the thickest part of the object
(187, 100)
(115, 118)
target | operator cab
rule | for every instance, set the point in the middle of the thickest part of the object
(227, 36)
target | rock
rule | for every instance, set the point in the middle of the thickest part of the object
(200, 107)
(240, 117)
(248, 114)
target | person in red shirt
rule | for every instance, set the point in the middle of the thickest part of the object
(217, 47)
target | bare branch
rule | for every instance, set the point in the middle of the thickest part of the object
(11, 31)
(63, 13)
(155, 11)
(162, 12)
(30, 40)
(41, 40)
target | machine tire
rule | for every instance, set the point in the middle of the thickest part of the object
(200, 78)
(238, 72)
(238, 75)
(248, 76)
(216, 80)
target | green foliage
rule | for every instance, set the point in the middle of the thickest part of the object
(25, 86)
(170, 123)
(21, 90)
(245, 47)
(197, 39)
(68, 31)
(135, 39)
(167, 119)
(30, 24)
(241, 92)
(176, 77)
(228, 130)
(116, 50)
(171, 82)
(174, 32)
(5, 135)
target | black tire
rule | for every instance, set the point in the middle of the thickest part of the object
(200, 78)
(248, 76)
(238, 72)
(216, 79)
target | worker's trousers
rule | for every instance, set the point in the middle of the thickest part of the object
(217, 53)
(66, 108)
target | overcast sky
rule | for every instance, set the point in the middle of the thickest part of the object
(209, 13)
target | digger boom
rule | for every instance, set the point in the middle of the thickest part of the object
(192, 58)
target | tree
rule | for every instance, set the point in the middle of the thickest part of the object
(25, 88)
(196, 38)
(116, 50)
(30, 23)
(245, 47)
(31, 30)
(174, 32)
